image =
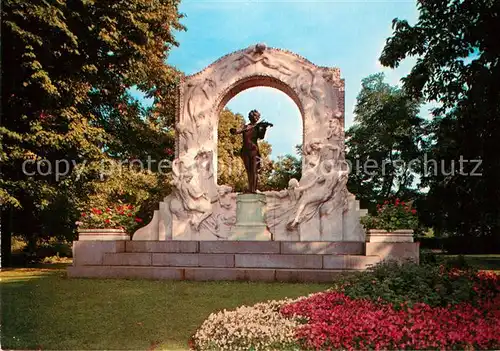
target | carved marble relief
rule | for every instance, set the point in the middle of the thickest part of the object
(200, 209)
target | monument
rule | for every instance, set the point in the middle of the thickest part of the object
(205, 231)
(316, 207)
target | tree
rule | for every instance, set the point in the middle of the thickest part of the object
(67, 67)
(458, 67)
(385, 143)
(283, 169)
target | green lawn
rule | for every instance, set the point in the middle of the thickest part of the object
(482, 262)
(42, 309)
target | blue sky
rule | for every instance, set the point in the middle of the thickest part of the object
(349, 35)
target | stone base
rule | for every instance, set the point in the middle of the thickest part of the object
(395, 251)
(230, 260)
(102, 235)
(250, 233)
(383, 236)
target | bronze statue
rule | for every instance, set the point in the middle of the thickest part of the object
(250, 154)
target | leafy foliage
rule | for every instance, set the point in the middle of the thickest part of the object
(67, 71)
(409, 283)
(458, 68)
(385, 143)
(392, 216)
(283, 169)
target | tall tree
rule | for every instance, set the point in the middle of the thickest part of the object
(66, 69)
(384, 145)
(458, 67)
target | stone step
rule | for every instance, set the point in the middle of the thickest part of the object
(207, 274)
(243, 247)
(238, 260)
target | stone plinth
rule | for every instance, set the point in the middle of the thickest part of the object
(250, 218)
(384, 236)
(221, 260)
(102, 234)
(394, 251)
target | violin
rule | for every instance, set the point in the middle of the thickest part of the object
(265, 124)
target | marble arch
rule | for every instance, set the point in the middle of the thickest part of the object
(201, 209)
(317, 91)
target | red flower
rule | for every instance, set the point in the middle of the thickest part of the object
(336, 321)
(402, 203)
(107, 221)
(397, 202)
(84, 214)
(108, 210)
(413, 211)
(138, 220)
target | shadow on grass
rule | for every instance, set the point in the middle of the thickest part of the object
(45, 310)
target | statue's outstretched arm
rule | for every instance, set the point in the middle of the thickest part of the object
(239, 131)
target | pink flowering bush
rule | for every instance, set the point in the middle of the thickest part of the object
(392, 216)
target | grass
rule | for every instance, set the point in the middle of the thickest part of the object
(481, 262)
(486, 262)
(43, 309)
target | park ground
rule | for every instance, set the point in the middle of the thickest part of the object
(43, 309)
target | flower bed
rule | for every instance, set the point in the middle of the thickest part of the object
(258, 327)
(464, 314)
(336, 321)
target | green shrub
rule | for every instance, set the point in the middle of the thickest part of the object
(392, 216)
(399, 283)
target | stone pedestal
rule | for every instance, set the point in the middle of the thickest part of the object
(102, 234)
(383, 236)
(250, 214)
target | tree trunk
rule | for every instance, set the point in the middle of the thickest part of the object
(6, 237)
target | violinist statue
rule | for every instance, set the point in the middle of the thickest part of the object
(250, 154)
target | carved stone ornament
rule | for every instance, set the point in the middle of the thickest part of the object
(316, 207)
